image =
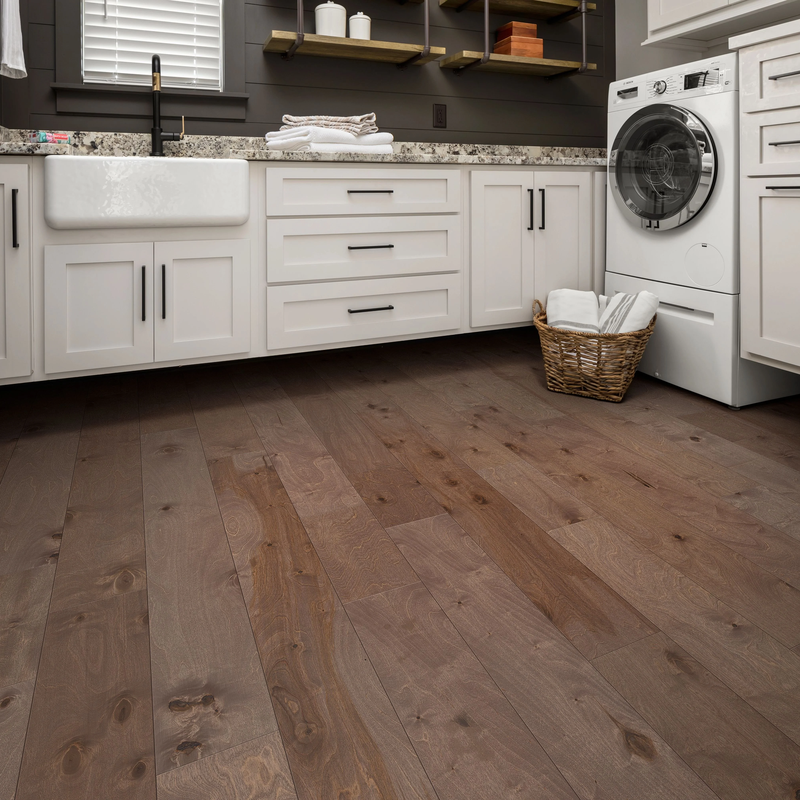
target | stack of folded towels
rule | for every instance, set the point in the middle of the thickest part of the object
(572, 310)
(357, 134)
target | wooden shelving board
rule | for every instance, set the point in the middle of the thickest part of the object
(543, 9)
(517, 65)
(359, 49)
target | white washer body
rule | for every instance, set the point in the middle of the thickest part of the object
(685, 145)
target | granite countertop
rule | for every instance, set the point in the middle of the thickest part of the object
(17, 142)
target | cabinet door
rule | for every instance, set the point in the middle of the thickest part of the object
(563, 222)
(770, 279)
(662, 13)
(98, 305)
(203, 298)
(15, 273)
(501, 232)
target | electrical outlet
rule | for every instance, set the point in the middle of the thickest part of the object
(439, 115)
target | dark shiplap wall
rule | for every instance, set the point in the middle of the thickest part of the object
(481, 108)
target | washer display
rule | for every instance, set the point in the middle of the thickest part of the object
(662, 166)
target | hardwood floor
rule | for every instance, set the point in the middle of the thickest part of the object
(402, 572)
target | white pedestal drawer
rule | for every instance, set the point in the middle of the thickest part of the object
(323, 192)
(361, 247)
(308, 315)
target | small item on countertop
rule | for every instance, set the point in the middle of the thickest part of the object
(293, 138)
(330, 147)
(519, 39)
(330, 19)
(358, 125)
(50, 137)
(360, 26)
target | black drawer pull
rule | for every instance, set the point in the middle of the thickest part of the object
(14, 239)
(541, 227)
(530, 196)
(370, 191)
(783, 187)
(367, 310)
(144, 290)
(781, 144)
(163, 291)
(370, 246)
(784, 75)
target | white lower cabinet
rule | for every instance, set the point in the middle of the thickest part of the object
(531, 232)
(114, 305)
(15, 272)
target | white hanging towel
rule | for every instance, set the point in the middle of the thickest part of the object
(12, 59)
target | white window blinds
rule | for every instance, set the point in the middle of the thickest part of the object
(120, 37)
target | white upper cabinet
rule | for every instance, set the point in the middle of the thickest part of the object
(661, 13)
(15, 273)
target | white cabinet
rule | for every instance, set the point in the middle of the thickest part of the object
(531, 232)
(114, 305)
(15, 272)
(661, 13)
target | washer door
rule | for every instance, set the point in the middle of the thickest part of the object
(662, 167)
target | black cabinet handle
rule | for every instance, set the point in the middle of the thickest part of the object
(367, 310)
(370, 246)
(530, 197)
(541, 227)
(784, 75)
(782, 187)
(370, 191)
(163, 291)
(781, 144)
(14, 239)
(144, 290)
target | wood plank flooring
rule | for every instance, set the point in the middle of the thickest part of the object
(402, 572)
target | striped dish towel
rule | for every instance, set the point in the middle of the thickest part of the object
(626, 313)
(358, 125)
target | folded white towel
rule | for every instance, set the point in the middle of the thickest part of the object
(626, 313)
(360, 124)
(329, 147)
(573, 310)
(12, 58)
(308, 134)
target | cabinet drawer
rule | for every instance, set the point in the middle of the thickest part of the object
(314, 314)
(334, 249)
(770, 75)
(334, 191)
(770, 143)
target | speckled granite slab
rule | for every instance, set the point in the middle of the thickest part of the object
(17, 142)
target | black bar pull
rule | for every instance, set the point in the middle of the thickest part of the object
(370, 191)
(367, 310)
(370, 246)
(781, 144)
(530, 196)
(163, 291)
(782, 187)
(14, 239)
(784, 75)
(144, 290)
(541, 227)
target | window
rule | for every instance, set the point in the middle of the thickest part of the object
(120, 37)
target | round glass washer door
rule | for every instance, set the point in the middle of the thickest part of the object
(662, 167)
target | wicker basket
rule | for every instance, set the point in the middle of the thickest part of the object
(597, 365)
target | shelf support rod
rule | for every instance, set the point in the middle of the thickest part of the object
(583, 10)
(300, 35)
(486, 52)
(427, 47)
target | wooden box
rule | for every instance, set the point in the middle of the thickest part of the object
(516, 29)
(520, 46)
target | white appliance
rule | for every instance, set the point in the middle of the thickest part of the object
(673, 226)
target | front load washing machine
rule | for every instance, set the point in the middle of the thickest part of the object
(673, 226)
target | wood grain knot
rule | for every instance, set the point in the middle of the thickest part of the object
(6, 702)
(57, 537)
(511, 446)
(139, 770)
(306, 732)
(480, 500)
(52, 557)
(80, 618)
(463, 721)
(695, 438)
(166, 508)
(123, 711)
(678, 537)
(640, 745)
(124, 581)
(72, 759)
(436, 454)
(187, 747)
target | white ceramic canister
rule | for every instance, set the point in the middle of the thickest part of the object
(359, 26)
(330, 19)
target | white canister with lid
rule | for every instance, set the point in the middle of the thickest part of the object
(330, 19)
(360, 26)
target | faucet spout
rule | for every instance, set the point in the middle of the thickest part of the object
(157, 136)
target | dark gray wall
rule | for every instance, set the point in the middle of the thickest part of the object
(481, 108)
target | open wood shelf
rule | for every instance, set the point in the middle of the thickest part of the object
(342, 47)
(517, 65)
(543, 9)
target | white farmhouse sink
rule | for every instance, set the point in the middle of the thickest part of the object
(100, 192)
